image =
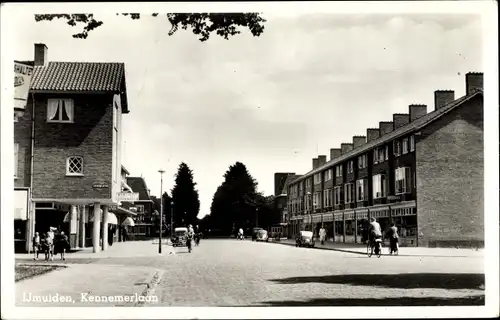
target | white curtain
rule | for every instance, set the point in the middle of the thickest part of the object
(52, 107)
(69, 107)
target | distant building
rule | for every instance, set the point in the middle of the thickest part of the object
(422, 171)
(143, 208)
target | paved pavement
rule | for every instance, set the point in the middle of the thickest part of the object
(246, 273)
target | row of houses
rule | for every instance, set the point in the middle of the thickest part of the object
(68, 138)
(422, 171)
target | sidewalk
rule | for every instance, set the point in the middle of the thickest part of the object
(403, 251)
(79, 284)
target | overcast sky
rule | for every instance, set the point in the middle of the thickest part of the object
(273, 102)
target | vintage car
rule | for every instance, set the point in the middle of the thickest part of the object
(304, 239)
(255, 231)
(262, 235)
(179, 237)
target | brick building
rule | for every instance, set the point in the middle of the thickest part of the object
(68, 148)
(422, 171)
(143, 207)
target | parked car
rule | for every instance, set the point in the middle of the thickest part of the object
(305, 239)
(262, 235)
(179, 239)
(255, 231)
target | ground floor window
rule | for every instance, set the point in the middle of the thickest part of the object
(339, 228)
(407, 225)
(350, 226)
(329, 229)
(363, 225)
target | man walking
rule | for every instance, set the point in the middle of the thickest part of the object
(322, 235)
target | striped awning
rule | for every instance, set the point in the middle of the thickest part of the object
(338, 216)
(380, 212)
(328, 217)
(361, 214)
(316, 219)
(349, 215)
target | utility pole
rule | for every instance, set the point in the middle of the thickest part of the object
(161, 171)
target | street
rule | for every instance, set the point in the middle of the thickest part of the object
(223, 272)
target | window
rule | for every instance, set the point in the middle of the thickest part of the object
(403, 180)
(328, 175)
(327, 198)
(74, 166)
(317, 178)
(412, 143)
(397, 148)
(301, 186)
(380, 154)
(308, 182)
(316, 200)
(379, 186)
(350, 166)
(362, 161)
(361, 190)
(338, 196)
(16, 159)
(140, 208)
(60, 110)
(386, 153)
(349, 193)
(338, 171)
(405, 145)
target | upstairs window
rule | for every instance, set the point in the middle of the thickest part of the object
(317, 178)
(361, 190)
(350, 166)
(349, 193)
(60, 110)
(412, 143)
(379, 186)
(327, 198)
(328, 175)
(380, 154)
(405, 146)
(362, 162)
(316, 200)
(338, 196)
(74, 166)
(397, 148)
(403, 180)
(338, 171)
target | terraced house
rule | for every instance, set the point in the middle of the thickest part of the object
(423, 171)
(68, 149)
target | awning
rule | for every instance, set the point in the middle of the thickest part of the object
(128, 222)
(123, 211)
(111, 218)
(125, 186)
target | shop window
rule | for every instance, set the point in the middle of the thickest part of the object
(74, 166)
(60, 110)
(350, 226)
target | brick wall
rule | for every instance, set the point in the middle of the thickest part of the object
(90, 136)
(22, 136)
(449, 158)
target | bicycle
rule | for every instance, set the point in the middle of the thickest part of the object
(370, 246)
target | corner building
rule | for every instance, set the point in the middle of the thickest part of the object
(422, 171)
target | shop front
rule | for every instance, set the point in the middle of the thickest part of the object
(404, 217)
(350, 226)
(21, 222)
(316, 223)
(362, 224)
(382, 215)
(339, 226)
(328, 225)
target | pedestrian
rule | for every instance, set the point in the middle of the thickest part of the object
(392, 234)
(322, 235)
(189, 237)
(62, 244)
(36, 245)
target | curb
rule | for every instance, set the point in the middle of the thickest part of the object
(364, 253)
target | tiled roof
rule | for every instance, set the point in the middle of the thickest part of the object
(412, 126)
(139, 185)
(79, 76)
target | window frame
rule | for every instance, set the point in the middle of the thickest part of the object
(405, 146)
(363, 195)
(380, 184)
(402, 174)
(73, 174)
(412, 143)
(349, 197)
(59, 111)
(397, 148)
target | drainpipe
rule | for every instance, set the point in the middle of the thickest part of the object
(31, 204)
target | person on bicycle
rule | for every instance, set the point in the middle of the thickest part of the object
(374, 230)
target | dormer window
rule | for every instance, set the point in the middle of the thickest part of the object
(60, 110)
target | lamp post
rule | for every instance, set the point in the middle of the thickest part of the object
(310, 208)
(171, 220)
(161, 171)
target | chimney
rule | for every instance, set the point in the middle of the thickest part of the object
(473, 82)
(358, 141)
(442, 98)
(416, 111)
(335, 153)
(400, 119)
(321, 160)
(346, 147)
(372, 134)
(385, 127)
(315, 163)
(41, 52)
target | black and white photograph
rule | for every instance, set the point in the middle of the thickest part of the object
(292, 159)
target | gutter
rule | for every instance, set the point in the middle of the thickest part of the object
(32, 206)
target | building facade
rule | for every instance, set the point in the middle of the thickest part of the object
(422, 171)
(143, 207)
(68, 149)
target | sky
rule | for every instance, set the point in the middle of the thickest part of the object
(309, 83)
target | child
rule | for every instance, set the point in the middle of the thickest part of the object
(36, 245)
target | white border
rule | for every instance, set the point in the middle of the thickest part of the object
(487, 9)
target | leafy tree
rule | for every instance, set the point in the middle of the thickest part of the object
(201, 24)
(233, 204)
(185, 197)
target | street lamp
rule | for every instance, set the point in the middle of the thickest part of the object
(161, 171)
(310, 208)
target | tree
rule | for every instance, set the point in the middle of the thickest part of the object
(185, 197)
(201, 24)
(233, 202)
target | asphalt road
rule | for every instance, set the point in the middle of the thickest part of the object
(245, 273)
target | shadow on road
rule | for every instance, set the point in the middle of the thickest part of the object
(386, 302)
(402, 280)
